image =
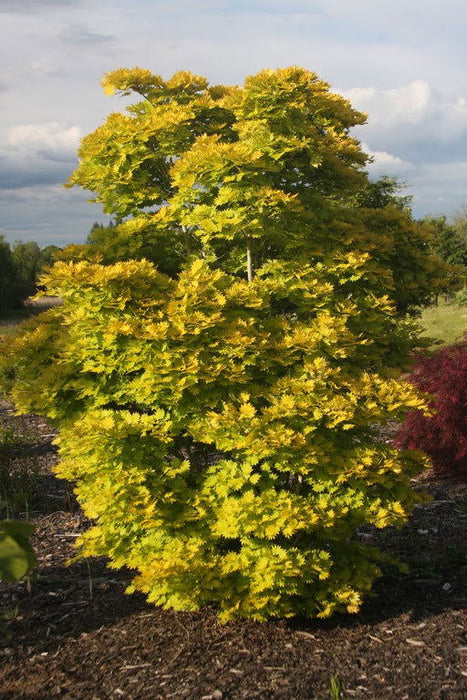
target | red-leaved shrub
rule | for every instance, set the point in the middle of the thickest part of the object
(442, 436)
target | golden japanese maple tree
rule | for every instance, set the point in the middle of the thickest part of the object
(219, 368)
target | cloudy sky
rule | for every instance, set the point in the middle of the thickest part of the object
(402, 62)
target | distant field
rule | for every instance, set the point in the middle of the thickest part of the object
(445, 322)
(10, 321)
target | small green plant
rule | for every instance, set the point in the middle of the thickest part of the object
(10, 613)
(461, 297)
(335, 689)
(17, 556)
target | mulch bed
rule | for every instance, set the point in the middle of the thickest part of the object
(72, 632)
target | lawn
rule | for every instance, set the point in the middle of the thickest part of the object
(445, 322)
(10, 320)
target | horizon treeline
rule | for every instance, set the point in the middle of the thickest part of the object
(21, 266)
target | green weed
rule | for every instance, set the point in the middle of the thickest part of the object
(335, 689)
(10, 613)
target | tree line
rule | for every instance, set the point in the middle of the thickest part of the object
(21, 266)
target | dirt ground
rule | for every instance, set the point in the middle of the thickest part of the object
(72, 632)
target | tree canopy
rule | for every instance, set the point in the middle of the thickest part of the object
(450, 238)
(20, 268)
(222, 172)
(9, 292)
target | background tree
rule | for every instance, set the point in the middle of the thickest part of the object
(383, 192)
(224, 400)
(450, 239)
(460, 226)
(7, 276)
(48, 255)
(30, 261)
(20, 269)
(460, 219)
(12, 289)
(26, 259)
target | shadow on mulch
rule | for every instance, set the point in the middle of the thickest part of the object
(71, 601)
(69, 645)
(74, 600)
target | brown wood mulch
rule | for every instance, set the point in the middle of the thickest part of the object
(72, 632)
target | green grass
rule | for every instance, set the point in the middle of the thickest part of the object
(445, 322)
(335, 689)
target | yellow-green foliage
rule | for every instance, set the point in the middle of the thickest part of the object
(218, 413)
(207, 171)
(226, 452)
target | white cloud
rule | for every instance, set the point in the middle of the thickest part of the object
(38, 154)
(441, 113)
(408, 20)
(419, 123)
(80, 33)
(385, 163)
(401, 62)
(27, 6)
(54, 138)
(405, 104)
(455, 118)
